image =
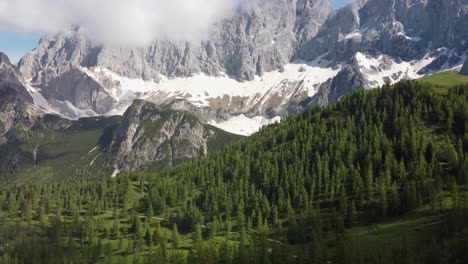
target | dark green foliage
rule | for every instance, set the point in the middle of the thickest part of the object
(374, 155)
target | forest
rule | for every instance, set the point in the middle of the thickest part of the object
(379, 177)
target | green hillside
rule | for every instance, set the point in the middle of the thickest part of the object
(379, 177)
(62, 152)
(445, 80)
(57, 149)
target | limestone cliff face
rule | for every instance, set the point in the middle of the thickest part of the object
(400, 39)
(11, 78)
(144, 136)
(14, 98)
(260, 37)
(72, 83)
(149, 134)
(406, 29)
(347, 80)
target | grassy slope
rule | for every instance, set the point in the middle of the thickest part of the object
(445, 80)
(418, 226)
(63, 154)
(76, 151)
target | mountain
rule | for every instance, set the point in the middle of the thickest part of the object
(11, 79)
(241, 46)
(236, 70)
(45, 148)
(378, 177)
(15, 100)
(390, 40)
(148, 135)
(36, 146)
(269, 60)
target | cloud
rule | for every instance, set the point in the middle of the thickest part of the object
(119, 22)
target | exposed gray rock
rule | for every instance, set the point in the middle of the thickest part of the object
(72, 84)
(348, 80)
(204, 114)
(14, 99)
(464, 69)
(10, 78)
(260, 37)
(56, 51)
(404, 29)
(149, 134)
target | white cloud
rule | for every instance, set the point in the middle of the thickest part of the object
(119, 22)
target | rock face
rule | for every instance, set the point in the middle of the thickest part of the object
(403, 29)
(464, 69)
(73, 84)
(149, 134)
(347, 80)
(10, 78)
(145, 135)
(260, 37)
(14, 99)
(269, 60)
(428, 34)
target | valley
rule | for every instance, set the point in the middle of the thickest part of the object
(234, 131)
(385, 181)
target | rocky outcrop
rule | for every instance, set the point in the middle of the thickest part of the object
(74, 85)
(14, 99)
(400, 39)
(464, 69)
(348, 80)
(149, 135)
(260, 37)
(401, 29)
(10, 78)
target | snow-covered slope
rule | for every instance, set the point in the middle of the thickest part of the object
(247, 102)
(266, 62)
(383, 69)
(242, 125)
(248, 105)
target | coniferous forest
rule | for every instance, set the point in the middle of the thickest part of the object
(379, 177)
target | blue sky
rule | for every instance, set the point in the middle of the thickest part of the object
(338, 3)
(15, 45)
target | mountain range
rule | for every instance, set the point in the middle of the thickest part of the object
(271, 59)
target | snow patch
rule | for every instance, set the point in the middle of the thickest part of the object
(67, 109)
(64, 109)
(200, 88)
(116, 172)
(354, 35)
(378, 70)
(39, 101)
(92, 162)
(91, 151)
(242, 125)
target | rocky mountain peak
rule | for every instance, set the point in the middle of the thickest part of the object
(260, 37)
(12, 81)
(264, 62)
(149, 134)
(4, 58)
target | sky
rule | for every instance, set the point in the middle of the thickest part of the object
(17, 37)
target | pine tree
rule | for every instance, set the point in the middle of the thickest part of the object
(175, 236)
